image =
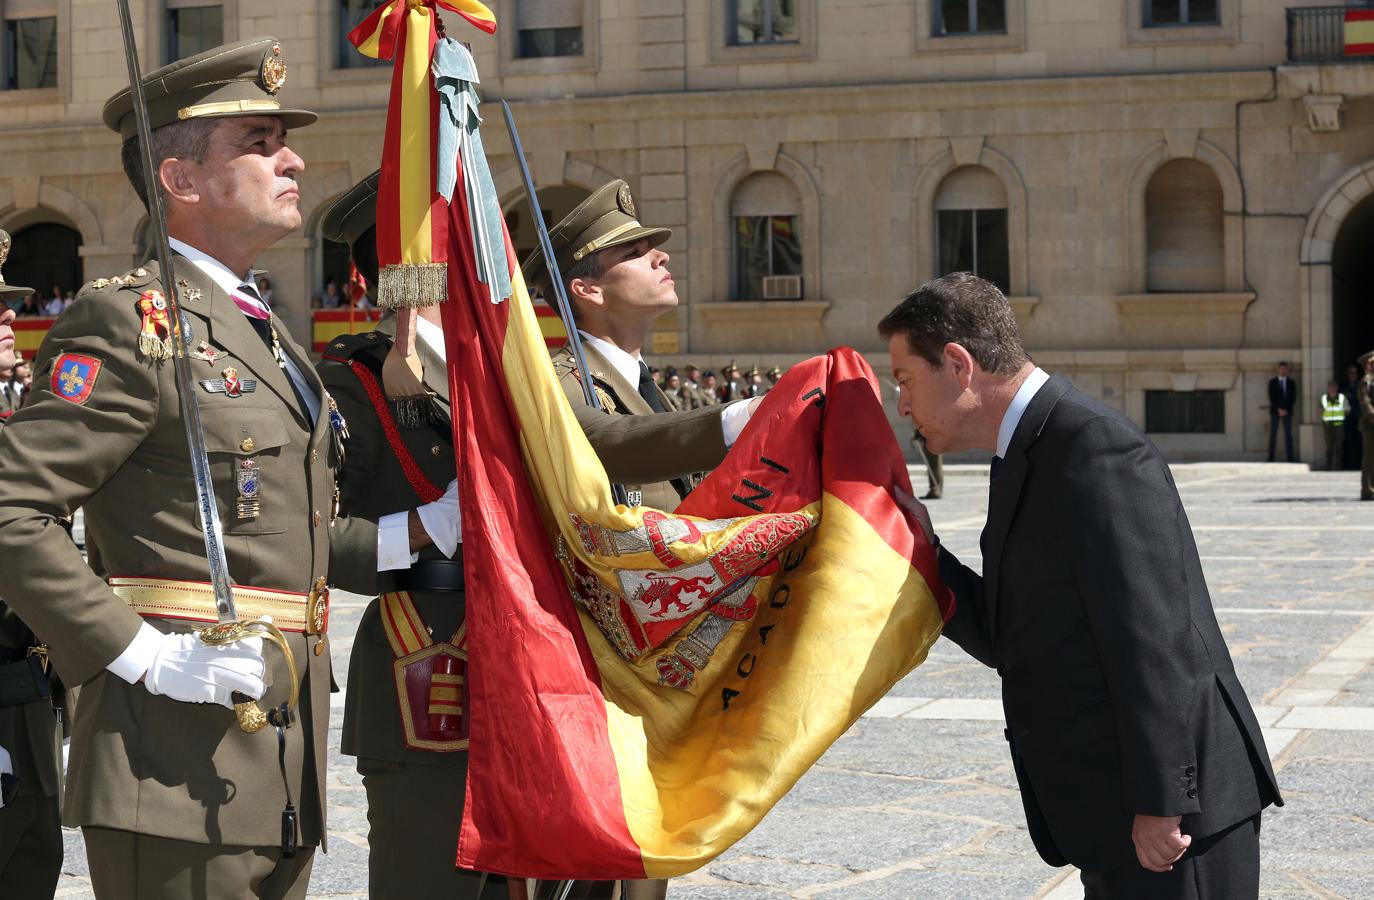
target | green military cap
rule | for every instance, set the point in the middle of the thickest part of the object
(354, 213)
(229, 81)
(7, 291)
(605, 219)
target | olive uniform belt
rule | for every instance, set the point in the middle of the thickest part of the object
(165, 598)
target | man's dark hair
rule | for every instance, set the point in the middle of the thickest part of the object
(959, 308)
(591, 266)
(1283, 363)
(179, 140)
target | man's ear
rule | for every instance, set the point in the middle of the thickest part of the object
(178, 180)
(585, 290)
(960, 363)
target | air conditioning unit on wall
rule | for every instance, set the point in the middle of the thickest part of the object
(782, 287)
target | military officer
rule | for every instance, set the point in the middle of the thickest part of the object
(175, 800)
(618, 282)
(30, 738)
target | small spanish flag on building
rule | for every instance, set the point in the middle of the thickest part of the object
(1359, 32)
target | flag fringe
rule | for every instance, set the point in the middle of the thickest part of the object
(412, 285)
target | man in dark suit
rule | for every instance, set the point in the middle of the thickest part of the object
(1137, 752)
(1283, 393)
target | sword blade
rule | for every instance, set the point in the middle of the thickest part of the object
(190, 407)
(556, 277)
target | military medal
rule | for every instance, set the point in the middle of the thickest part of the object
(336, 419)
(154, 336)
(249, 489)
(231, 385)
(206, 352)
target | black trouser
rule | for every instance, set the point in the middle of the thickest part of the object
(1221, 866)
(1287, 421)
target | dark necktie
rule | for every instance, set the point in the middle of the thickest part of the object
(648, 390)
(250, 303)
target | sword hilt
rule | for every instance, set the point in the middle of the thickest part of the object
(250, 716)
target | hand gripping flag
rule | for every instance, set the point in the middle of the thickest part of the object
(645, 685)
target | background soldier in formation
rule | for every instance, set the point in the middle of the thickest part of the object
(1366, 397)
(415, 776)
(174, 798)
(30, 737)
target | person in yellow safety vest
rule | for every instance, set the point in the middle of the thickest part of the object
(1335, 406)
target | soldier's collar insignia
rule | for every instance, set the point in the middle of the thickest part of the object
(74, 376)
(273, 70)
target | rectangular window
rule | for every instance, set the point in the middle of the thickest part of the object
(1185, 412)
(763, 22)
(351, 12)
(974, 240)
(970, 17)
(548, 28)
(31, 53)
(193, 29)
(1174, 13)
(765, 246)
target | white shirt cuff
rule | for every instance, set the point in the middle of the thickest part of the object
(733, 418)
(133, 663)
(393, 542)
(443, 521)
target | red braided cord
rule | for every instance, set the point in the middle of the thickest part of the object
(418, 482)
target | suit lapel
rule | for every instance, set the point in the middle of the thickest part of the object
(1006, 491)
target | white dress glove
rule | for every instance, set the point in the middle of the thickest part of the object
(186, 668)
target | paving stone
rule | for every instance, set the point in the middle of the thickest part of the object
(906, 885)
(770, 874)
(858, 839)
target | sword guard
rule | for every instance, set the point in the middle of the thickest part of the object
(250, 717)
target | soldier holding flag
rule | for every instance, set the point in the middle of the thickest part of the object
(174, 797)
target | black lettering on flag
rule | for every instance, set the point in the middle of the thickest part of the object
(818, 394)
(783, 590)
(762, 493)
(726, 695)
(774, 465)
(741, 670)
(763, 633)
(790, 561)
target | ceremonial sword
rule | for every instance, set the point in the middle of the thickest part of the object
(229, 627)
(556, 277)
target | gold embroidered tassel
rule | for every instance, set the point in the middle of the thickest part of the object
(412, 285)
(153, 347)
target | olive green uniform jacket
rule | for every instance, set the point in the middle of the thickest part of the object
(372, 484)
(641, 449)
(139, 762)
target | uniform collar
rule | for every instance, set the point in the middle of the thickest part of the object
(624, 363)
(215, 270)
(1024, 395)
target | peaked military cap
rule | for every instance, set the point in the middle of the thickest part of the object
(1362, 360)
(9, 291)
(229, 81)
(605, 219)
(354, 213)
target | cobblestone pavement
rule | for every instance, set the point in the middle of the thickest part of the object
(918, 798)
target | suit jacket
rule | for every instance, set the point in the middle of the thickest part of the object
(372, 484)
(1282, 397)
(640, 448)
(141, 762)
(1119, 692)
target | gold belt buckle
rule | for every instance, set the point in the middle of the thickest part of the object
(317, 607)
(40, 651)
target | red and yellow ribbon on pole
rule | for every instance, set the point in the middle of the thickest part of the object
(412, 218)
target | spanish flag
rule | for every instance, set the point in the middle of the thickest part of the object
(646, 685)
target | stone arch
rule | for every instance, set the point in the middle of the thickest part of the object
(21, 207)
(1149, 162)
(1316, 286)
(574, 171)
(928, 182)
(747, 164)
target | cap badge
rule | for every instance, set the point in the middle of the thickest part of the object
(625, 201)
(273, 70)
(4, 250)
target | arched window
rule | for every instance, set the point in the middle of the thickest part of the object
(45, 256)
(971, 225)
(1184, 247)
(765, 213)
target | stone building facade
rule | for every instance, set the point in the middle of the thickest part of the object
(1175, 194)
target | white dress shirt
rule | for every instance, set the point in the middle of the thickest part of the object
(1024, 395)
(442, 519)
(733, 416)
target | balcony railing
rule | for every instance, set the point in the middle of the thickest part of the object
(1330, 34)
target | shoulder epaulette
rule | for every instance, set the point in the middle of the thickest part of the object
(346, 346)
